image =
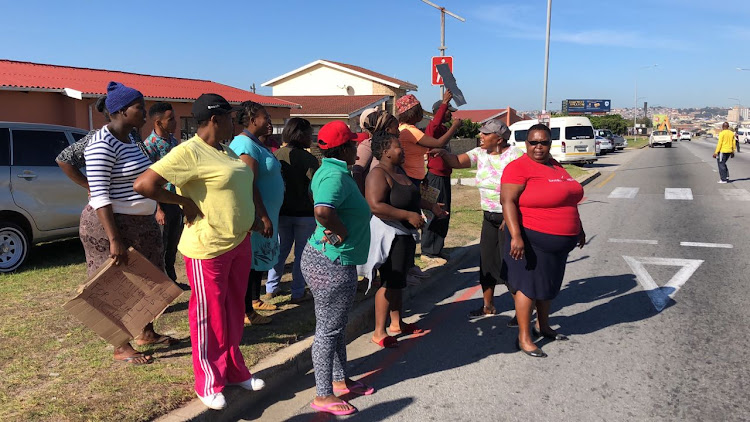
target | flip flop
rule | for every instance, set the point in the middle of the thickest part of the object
(131, 359)
(327, 408)
(410, 329)
(169, 341)
(387, 342)
(358, 388)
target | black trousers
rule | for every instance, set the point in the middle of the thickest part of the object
(433, 237)
(253, 289)
(170, 234)
(492, 268)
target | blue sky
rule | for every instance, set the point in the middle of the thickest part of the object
(597, 45)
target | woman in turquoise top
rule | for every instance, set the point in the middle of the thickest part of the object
(268, 196)
(340, 242)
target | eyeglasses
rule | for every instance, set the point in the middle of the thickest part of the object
(544, 143)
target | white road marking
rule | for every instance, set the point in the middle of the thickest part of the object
(685, 194)
(638, 241)
(735, 194)
(660, 296)
(707, 245)
(624, 193)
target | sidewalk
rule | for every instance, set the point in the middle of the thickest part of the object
(296, 360)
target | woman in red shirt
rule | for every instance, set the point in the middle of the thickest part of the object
(540, 207)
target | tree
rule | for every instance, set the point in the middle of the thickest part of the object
(468, 129)
(645, 121)
(614, 122)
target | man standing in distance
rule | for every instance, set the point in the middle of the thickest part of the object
(157, 145)
(724, 151)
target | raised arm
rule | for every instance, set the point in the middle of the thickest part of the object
(461, 161)
(430, 142)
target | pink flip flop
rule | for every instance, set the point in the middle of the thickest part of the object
(358, 388)
(328, 408)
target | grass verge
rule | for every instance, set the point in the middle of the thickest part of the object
(640, 142)
(575, 171)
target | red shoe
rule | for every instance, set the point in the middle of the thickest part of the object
(387, 342)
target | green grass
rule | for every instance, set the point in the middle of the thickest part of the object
(467, 173)
(633, 143)
(575, 171)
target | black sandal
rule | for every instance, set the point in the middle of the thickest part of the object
(482, 311)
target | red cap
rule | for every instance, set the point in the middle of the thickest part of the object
(337, 133)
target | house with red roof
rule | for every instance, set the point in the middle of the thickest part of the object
(65, 95)
(329, 90)
(508, 115)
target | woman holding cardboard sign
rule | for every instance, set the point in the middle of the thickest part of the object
(118, 217)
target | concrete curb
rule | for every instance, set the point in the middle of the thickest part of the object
(588, 178)
(296, 360)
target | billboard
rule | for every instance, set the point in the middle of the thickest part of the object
(585, 106)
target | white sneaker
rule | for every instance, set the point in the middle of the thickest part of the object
(723, 181)
(252, 384)
(214, 401)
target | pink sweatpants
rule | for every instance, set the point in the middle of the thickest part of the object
(216, 312)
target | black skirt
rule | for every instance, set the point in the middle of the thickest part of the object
(539, 274)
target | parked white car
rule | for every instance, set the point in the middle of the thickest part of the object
(660, 137)
(572, 138)
(39, 203)
(605, 145)
(675, 135)
(686, 136)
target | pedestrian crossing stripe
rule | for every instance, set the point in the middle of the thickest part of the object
(685, 194)
(735, 194)
(624, 193)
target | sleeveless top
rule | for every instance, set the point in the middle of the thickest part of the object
(404, 197)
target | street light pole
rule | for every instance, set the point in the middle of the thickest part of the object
(442, 32)
(635, 99)
(546, 56)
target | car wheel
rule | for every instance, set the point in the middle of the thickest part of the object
(14, 246)
(669, 145)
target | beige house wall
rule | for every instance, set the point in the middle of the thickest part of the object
(323, 80)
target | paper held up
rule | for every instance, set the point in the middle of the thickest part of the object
(449, 81)
(118, 301)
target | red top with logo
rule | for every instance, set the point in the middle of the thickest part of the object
(436, 129)
(549, 203)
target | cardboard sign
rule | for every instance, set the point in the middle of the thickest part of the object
(119, 300)
(449, 81)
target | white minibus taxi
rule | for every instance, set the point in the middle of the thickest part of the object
(572, 138)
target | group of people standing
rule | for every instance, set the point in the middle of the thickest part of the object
(234, 208)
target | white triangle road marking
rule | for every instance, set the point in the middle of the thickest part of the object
(660, 296)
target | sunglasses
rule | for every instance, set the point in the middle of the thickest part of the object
(544, 143)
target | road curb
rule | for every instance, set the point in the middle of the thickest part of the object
(296, 360)
(588, 178)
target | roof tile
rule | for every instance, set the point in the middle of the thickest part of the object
(331, 104)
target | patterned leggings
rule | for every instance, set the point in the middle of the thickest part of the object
(333, 287)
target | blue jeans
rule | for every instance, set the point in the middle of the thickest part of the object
(294, 230)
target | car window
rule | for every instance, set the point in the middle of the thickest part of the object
(660, 132)
(78, 136)
(4, 147)
(579, 132)
(555, 134)
(37, 147)
(521, 135)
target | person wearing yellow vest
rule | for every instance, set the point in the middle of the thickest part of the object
(724, 151)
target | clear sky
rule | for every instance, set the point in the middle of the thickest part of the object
(597, 45)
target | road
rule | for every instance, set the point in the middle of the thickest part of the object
(658, 328)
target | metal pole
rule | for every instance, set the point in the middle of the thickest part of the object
(635, 107)
(546, 56)
(442, 44)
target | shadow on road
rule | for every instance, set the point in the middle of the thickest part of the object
(54, 254)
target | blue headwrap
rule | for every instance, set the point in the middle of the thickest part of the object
(119, 96)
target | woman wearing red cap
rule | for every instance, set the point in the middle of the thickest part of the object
(339, 243)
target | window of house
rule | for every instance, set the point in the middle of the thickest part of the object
(37, 147)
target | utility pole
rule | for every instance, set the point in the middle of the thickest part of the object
(546, 57)
(442, 32)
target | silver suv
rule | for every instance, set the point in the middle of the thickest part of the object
(38, 203)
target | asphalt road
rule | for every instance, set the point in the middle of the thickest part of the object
(659, 330)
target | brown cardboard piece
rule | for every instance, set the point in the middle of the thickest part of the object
(119, 300)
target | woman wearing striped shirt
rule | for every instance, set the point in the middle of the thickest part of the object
(118, 217)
